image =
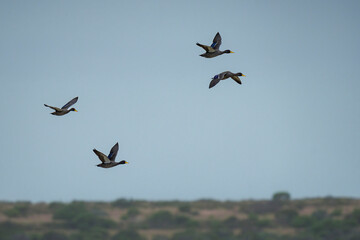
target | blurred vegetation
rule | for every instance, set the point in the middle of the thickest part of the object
(20, 209)
(76, 215)
(277, 219)
(128, 235)
(164, 220)
(281, 196)
(131, 213)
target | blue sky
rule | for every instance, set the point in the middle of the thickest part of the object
(292, 125)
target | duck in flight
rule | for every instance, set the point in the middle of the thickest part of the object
(225, 75)
(64, 110)
(213, 50)
(109, 161)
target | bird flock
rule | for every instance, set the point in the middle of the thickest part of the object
(211, 51)
(214, 51)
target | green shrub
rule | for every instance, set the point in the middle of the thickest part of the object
(185, 208)
(319, 215)
(54, 236)
(131, 213)
(19, 210)
(161, 219)
(264, 236)
(123, 203)
(189, 235)
(91, 234)
(281, 196)
(98, 212)
(19, 236)
(302, 221)
(76, 216)
(336, 212)
(285, 216)
(261, 207)
(164, 219)
(70, 211)
(12, 213)
(88, 220)
(253, 224)
(56, 205)
(160, 237)
(207, 204)
(128, 235)
(231, 222)
(219, 233)
(329, 229)
(354, 216)
(9, 229)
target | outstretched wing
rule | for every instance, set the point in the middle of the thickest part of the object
(113, 152)
(216, 42)
(70, 103)
(206, 48)
(236, 79)
(101, 156)
(55, 108)
(215, 81)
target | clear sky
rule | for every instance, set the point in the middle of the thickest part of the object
(293, 125)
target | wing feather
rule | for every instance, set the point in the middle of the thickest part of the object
(214, 82)
(70, 103)
(113, 152)
(236, 79)
(206, 48)
(216, 42)
(101, 156)
(54, 108)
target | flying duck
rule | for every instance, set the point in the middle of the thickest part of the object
(213, 50)
(64, 110)
(109, 161)
(225, 75)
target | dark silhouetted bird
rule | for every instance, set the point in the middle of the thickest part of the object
(64, 110)
(225, 75)
(213, 50)
(109, 161)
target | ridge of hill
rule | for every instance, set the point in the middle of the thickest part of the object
(306, 219)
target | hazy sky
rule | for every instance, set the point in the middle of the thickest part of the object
(293, 125)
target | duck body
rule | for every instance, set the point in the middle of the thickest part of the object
(64, 110)
(225, 75)
(214, 53)
(213, 50)
(109, 161)
(59, 111)
(108, 165)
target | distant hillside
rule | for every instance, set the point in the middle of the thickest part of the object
(124, 219)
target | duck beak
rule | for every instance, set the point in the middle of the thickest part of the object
(243, 75)
(126, 162)
(231, 52)
(75, 110)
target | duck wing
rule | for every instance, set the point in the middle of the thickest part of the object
(55, 108)
(206, 48)
(214, 82)
(216, 42)
(101, 156)
(113, 152)
(236, 79)
(70, 103)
